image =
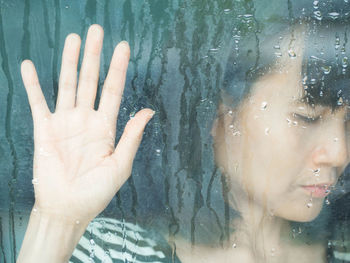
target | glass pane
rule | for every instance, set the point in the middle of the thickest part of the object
(246, 158)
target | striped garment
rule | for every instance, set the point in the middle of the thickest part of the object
(109, 240)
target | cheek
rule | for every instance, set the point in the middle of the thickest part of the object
(275, 160)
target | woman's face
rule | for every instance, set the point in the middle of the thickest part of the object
(278, 153)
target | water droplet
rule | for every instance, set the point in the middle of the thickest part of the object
(277, 47)
(227, 10)
(132, 114)
(345, 62)
(92, 242)
(315, 3)
(318, 15)
(35, 181)
(309, 204)
(267, 131)
(234, 245)
(263, 105)
(77, 222)
(158, 151)
(327, 201)
(273, 252)
(278, 54)
(335, 139)
(317, 170)
(337, 42)
(237, 133)
(214, 50)
(236, 39)
(289, 121)
(340, 101)
(66, 7)
(231, 126)
(291, 53)
(35, 210)
(247, 15)
(230, 112)
(333, 15)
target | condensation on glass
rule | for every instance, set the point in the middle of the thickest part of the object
(203, 66)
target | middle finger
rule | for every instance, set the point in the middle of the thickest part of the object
(90, 68)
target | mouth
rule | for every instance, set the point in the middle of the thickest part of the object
(317, 190)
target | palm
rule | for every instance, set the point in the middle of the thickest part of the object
(77, 170)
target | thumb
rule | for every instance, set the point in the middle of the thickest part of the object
(130, 140)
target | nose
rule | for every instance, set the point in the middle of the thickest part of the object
(332, 147)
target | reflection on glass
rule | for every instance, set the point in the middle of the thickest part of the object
(246, 157)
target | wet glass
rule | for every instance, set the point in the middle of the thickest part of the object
(251, 128)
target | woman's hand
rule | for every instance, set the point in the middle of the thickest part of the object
(77, 170)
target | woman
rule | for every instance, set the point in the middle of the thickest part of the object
(280, 143)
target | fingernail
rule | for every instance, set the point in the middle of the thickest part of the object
(96, 31)
(151, 114)
(124, 44)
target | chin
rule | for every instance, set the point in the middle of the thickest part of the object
(301, 214)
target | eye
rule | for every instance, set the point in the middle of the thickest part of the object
(307, 119)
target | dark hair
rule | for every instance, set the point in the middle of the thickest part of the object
(325, 74)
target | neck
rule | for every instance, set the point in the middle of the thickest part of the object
(260, 231)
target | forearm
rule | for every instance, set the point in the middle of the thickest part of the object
(50, 239)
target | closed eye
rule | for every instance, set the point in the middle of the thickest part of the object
(307, 119)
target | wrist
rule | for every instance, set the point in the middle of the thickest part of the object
(50, 238)
(58, 219)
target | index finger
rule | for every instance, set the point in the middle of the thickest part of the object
(35, 95)
(114, 84)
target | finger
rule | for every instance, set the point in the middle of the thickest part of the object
(36, 97)
(68, 76)
(126, 149)
(115, 81)
(90, 68)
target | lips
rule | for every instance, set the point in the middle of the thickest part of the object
(317, 190)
